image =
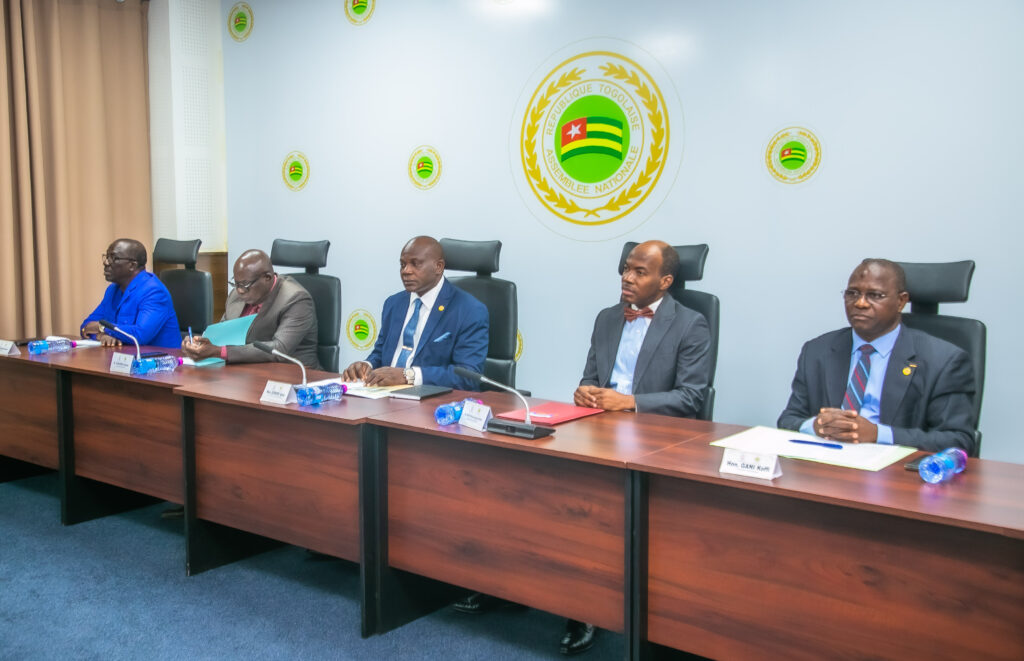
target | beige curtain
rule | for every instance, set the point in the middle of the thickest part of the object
(74, 160)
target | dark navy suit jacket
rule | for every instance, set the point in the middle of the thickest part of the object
(144, 309)
(927, 396)
(456, 334)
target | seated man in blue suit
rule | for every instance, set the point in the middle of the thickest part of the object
(136, 301)
(426, 330)
(879, 381)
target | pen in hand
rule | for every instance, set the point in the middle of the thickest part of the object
(191, 339)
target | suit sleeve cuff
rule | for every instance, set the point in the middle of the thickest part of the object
(884, 435)
(808, 426)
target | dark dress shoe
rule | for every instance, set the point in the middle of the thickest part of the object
(579, 637)
(475, 604)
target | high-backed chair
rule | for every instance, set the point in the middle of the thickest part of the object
(498, 295)
(191, 290)
(325, 290)
(950, 282)
(691, 268)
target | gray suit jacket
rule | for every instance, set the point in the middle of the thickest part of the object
(287, 320)
(927, 396)
(673, 367)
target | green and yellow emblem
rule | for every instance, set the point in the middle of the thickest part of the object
(295, 170)
(519, 345)
(793, 155)
(359, 11)
(361, 329)
(594, 140)
(240, 21)
(424, 167)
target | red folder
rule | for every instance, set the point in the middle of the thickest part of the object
(551, 413)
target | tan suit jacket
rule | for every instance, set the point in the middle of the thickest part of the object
(287, 321)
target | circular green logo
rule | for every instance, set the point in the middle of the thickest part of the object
(361, 329)
(592, 138)
(424, 167)
(240, 20)
(359, 6)
(793, 155)
(295, 170)
(359, 12)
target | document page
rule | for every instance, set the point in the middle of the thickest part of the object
(862, 456)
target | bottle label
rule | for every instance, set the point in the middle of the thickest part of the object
(8, 348)
(475, 416)
(276, 392)
(121, 363)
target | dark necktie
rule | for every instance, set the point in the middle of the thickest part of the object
(409, 334)
(854, 397)
(630, 314)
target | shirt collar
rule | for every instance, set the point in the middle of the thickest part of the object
(653, 306)
(431, 295)
(882, 344)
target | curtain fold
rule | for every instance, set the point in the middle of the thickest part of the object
(74, 161)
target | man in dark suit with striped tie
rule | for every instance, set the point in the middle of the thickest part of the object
(879, 381)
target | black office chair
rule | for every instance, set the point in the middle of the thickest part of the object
(691, 268)
(325, 290)
(950, 282)
(498, 295)
(191, 290)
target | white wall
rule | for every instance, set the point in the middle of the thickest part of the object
(917, 104)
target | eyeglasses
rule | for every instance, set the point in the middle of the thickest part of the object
(851, 295)
(246, 286)
(110, 259)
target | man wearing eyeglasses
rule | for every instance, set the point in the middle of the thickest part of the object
(285, 316)
(135, 301)
(880, 381)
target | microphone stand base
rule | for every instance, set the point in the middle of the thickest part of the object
(518, 429)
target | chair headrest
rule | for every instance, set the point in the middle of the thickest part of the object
(946, 282)
(691, 261)
(171, 251)
(479, 256)
(310, 255)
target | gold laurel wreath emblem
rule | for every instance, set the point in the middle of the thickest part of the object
(659, 133)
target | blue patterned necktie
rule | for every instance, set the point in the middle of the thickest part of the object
(854, 397)
(409, 334)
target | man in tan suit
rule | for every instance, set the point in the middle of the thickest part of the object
(285, 316)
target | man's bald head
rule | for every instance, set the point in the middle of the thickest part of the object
(254, 276)
(421, 264)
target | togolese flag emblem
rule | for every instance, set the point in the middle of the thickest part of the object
(424, 167)
(240, 20)
(793, 155)
(591, 135)
(295, 170)
(359, 6)
(359, 12)
(361, 329)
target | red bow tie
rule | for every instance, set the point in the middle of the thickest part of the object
(630, 314)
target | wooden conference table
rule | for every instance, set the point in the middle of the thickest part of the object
(618, 519)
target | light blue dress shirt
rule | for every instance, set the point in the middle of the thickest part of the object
(872, 404)
(633, 334)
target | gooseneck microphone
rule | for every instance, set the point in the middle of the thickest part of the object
(266, 348)
(523, 429)
(110, 326)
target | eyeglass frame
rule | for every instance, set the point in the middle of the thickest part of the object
(854, 295)
(246, 286)
(109, 259)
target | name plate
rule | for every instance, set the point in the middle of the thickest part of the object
(121, 363)
(8, 348)
(750, 464)
(475, 416)
(276, 392)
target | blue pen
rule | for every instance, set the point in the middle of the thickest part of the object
(191, 340)
(834, 446)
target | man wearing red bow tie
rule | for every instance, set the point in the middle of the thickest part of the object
(648, 353)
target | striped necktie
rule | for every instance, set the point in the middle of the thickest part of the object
(854, 397)
(409, 334)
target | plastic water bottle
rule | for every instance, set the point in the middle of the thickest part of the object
(449, 413)
(51, 346)
(313, 395)
(154, 365)
(942, 466)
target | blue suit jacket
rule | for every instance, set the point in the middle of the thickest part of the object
(456, 334)
(144, 309)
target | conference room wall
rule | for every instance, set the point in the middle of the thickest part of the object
(916, 104)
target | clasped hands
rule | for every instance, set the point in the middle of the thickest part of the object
(382, 376)
(94, 328)
(844, 426)
(603, 398)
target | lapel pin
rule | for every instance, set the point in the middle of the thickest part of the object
(906, 371)
(440, 308)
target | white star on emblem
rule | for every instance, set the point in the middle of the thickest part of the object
(574, 130)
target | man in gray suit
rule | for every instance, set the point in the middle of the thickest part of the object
(879, 381)
(285, 315)
(648, 353)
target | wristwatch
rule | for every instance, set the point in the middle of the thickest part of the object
(410, 375)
